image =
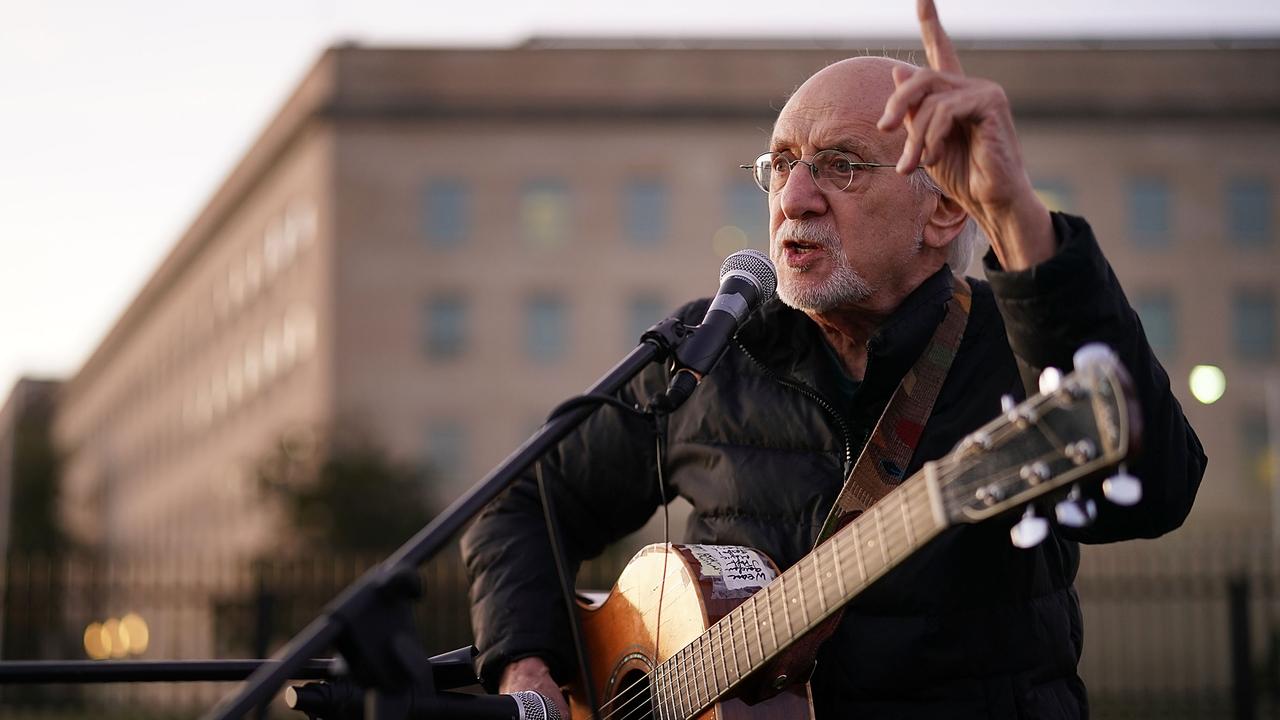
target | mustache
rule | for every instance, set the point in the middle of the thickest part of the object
(808, 233)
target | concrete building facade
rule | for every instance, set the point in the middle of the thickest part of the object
(433, 247)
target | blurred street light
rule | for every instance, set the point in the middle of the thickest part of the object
(1208, 383)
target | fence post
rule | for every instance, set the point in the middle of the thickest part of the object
(1241, 662)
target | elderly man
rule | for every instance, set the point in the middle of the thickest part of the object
(866, 243)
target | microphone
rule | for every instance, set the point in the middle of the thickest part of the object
(342, 700)
(747, 281)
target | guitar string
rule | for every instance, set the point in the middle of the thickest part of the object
(706, 651)
(638, 694)
(702, 650)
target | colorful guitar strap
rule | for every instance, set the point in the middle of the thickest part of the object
(884, 460)
(883, 463)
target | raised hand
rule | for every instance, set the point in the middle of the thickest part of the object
(961, 129)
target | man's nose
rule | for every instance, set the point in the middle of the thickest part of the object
(801, 197)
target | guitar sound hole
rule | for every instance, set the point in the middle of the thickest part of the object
(632, 700)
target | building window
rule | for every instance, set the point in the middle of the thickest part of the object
(1255, 453)
(445, 326)
(747, 215)
(444, 212)
(1249, 211)
(544, 213)
(1149, 211)
(645, 211)
(1156, 312)
(1056, 194)
(545, 328)
(1254, 324)
(446, 452)
(642, 312)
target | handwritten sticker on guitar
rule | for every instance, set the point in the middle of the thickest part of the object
(732, 568)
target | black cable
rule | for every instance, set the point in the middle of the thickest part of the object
(581, 400)
(566, 590)
(659, 432)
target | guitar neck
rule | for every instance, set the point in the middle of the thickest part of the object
(810, 591)
(1077, 427)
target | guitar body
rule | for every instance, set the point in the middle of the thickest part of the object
(729, 625)
(698, 585)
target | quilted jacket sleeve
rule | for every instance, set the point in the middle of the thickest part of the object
(1074, 298)
(603, 482)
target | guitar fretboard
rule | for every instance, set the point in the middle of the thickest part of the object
(799, 599)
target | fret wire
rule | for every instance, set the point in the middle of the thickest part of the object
(673, 668)
(691, 678)
(889, 537)
(804, 609)
(698, 672)
(704, 667)
(718, 639)
(682, 674)
(822, 594)
(786, 603)
(737, 669)
(884, 552)
(773, 622)
(906, 520)
(661, 696)
(697, 667)
(656, 693)
(755, 611)
(768, 622)
(857, 547)
(839, 575)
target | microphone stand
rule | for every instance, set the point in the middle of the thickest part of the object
(370, 622)
(454, 669)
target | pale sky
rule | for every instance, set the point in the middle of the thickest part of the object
(118, 120)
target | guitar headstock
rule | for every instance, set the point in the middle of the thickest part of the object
(1078, 426)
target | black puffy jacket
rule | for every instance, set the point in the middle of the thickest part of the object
(969, 626)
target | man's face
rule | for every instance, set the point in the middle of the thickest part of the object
(853, 248)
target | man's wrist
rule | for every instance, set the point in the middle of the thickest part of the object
(1021, 233)
(522, 669)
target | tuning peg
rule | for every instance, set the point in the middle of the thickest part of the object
(1076, 511)
(1092, 354)
(1122, 488)
(1007, 403)
(1030, 530)
(1050, 380)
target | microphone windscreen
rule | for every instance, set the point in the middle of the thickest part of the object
(755, 265)
(534, 706)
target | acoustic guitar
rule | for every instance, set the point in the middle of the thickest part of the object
(688, 630)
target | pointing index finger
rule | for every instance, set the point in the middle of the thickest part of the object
(937, 44)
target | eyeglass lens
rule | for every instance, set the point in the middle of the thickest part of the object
(832, 170)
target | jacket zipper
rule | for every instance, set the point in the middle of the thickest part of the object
(812, 395)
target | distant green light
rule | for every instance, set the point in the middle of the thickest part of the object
(1208, 383)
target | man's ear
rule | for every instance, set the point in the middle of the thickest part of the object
(945, 222)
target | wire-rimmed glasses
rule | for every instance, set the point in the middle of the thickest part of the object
(832, 170)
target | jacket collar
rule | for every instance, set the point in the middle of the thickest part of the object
(786, 340)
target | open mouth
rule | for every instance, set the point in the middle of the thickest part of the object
(799, 251)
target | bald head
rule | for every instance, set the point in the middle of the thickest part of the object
(851, 91)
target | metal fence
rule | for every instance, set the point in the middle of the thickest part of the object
(1186, 627)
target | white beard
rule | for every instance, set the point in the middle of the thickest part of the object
(842, 286)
